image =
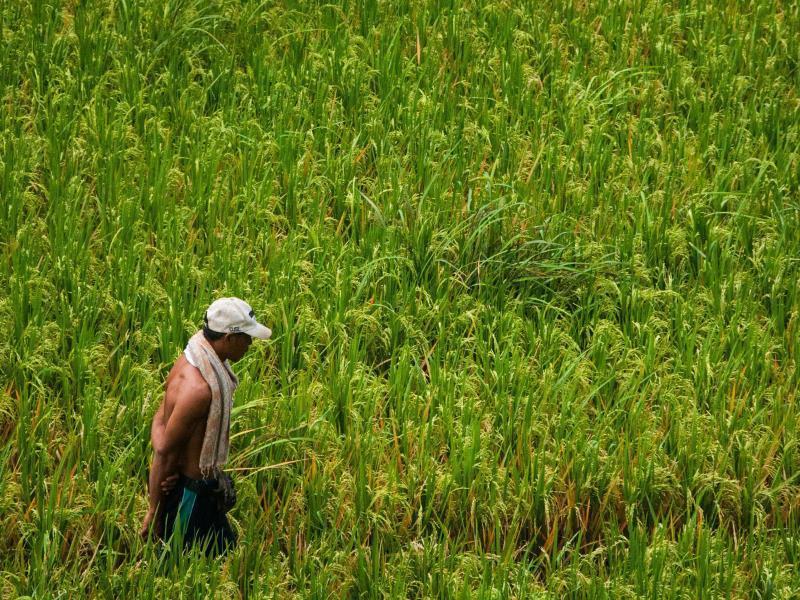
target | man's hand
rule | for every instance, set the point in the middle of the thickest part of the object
(144, 532)
(169, 483)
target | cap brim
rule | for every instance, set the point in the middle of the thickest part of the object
(258, 331)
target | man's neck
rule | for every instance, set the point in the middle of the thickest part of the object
(219, 351)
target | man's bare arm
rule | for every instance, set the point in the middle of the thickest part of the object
(191, 407)
(164, 468)
(158, 426)
(157, 430)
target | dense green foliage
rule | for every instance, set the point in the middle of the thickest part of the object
(531, 267)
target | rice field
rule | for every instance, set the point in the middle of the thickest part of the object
(531, 270)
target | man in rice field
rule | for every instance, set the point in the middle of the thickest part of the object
(189, 493)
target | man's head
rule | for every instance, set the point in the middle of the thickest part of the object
(230, 326)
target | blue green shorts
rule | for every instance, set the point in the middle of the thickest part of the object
(193, 508)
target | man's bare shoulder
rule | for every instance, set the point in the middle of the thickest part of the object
(186, 385)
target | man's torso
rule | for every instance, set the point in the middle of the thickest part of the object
(180, 376)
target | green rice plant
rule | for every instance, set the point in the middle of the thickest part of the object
(531, 272)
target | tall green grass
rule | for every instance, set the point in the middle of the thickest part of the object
(532, 272)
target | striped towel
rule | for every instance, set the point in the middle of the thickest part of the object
(223, 382)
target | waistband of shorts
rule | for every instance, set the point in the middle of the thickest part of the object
(198, 486)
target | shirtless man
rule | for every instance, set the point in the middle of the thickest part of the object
(181, 490)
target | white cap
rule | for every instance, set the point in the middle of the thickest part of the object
(232, 315)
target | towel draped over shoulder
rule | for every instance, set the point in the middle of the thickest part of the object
(223, 382)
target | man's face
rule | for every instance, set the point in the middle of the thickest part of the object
(238, 344)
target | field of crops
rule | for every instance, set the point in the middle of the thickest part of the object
(531, 270)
